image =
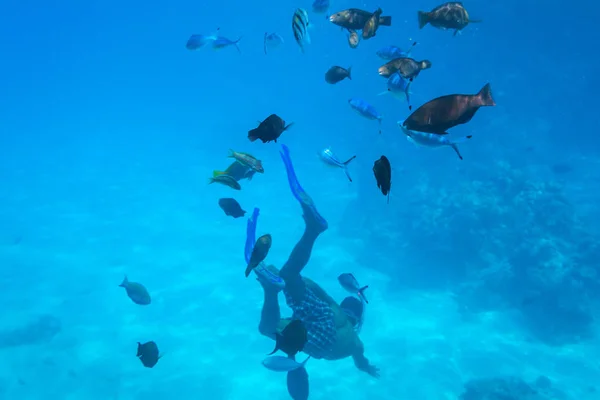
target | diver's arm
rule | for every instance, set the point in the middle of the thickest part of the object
(363, 364)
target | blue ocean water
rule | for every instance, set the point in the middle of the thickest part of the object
(483, 273)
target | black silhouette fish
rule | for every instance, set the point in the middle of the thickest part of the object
(148, 354)
(292, 339)
(269, 130)
(383, 174)
(136, 292)
(231, 207)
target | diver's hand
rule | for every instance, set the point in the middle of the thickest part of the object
(363, 364)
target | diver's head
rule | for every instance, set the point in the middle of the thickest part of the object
(353, 308)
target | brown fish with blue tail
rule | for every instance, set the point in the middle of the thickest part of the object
(383, 175)
(356, 19)
(451, 15)
(445, 112)
(405, 66)
(269, 130)
(259, 252)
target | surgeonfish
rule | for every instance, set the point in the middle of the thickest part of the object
(365, 109)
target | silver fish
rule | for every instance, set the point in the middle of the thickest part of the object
(432, 139)
(283, 364)
(300, 26)
(271, 40)
(349, 282)
(330, 159)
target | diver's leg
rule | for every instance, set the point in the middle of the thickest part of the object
(270, 314)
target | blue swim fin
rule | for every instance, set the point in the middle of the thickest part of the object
(297, 384)
(299, 193)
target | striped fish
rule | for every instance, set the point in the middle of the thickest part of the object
(330, 159)
(300, 26)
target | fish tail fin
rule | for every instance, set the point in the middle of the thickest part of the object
(385, 21)
(349, 160)
(350, 73)
(218, 173)
(251, 135)
(347, 174)
(455, 148)
(362, 294)
(125, 282)
(423, 19)
(485, 96)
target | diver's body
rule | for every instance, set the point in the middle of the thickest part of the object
(331, 333)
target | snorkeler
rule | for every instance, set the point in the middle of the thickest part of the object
(331, 330)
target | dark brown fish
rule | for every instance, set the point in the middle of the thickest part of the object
(355, 19)
(136, 292)
(269, 130)
(372, 24)
(337, 74)
(292, 339)
(259, 252)
(450, 15)
(353, 39)
(407, 67)
(231, 207)
(443, 113)
(383, 174)
(148, 354)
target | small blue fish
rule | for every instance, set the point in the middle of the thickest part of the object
(221, 42)
(349, 282)
(283, 364)
(330, 159)
(365, 109)
(320, 6)
(271, 40)
(432, 139)
(399, 87)
(392, 52)
(196, 42)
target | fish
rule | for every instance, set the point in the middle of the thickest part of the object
(237, 171)
(283, 364)
(320, 6)
(297, 384)
(148, 354)
(337, 74)
(259, 253)
(136, 292)
(407, 67)
(372, 24)
(399, 88)
(330, 159)
(269, 130)
(225, 180)
(248, 160)
(393, 52)
(231, 207)
(221, 42)
(450, 15)
(365, 109)
(353, 39)
(445, 112)
(383, 174)
(271, 40)
(355, 19)
(300, 26)
(432, 139)
(292, 339)
(349, 282)
(198, 41)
